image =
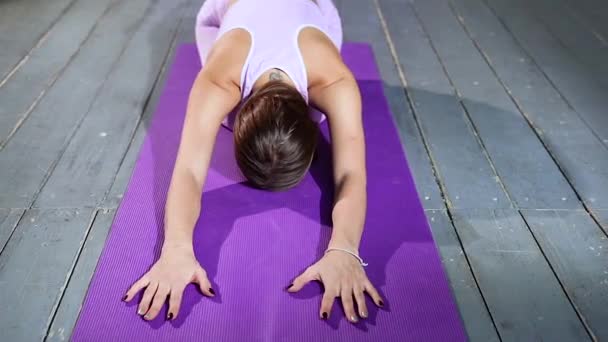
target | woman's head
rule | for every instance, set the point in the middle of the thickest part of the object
(274, 137)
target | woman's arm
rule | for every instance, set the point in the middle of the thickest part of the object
(341, 274)
(214, 94)
(208, 104)
(334, 90)
(341, 101)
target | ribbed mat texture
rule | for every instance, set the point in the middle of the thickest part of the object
(252, 243)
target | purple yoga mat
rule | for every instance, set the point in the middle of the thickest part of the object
(253, 243)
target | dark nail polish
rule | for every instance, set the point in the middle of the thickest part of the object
(124, 298)
(288, 287)
(325, 315)
(381, 303)
(211, 290)
(170, 316)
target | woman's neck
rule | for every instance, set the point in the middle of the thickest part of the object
(272, 75)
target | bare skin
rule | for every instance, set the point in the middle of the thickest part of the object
(215, 92)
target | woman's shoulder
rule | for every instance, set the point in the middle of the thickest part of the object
(321, 57)
(228, 55)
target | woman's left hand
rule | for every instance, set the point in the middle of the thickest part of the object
(342, 276)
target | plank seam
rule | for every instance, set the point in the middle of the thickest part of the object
(39, 42)
(553, 85)
(474, 273)
(468, 121)
(14, 228)
(53, 79)
(55, 307)
(525, 116)
(579, 314)
(434, 169)
(543, 21)
(586, 23)
(83, 117)
(146, 105)
(433, 162)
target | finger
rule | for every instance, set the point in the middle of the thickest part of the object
(307, 276)
(369, 288)
(144, 305)
(327, 302)
(135, 288)
(360, 298)
(347, 303)
(175, 301)
(200, 277)
(159, 299)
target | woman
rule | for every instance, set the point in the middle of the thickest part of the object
(268, 59)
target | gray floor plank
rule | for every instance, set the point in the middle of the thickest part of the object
(577, 38)
(468, 178)
(32, 152)
(584, 91)
(473, 310)
(584, 21)
(524, 296)
(19, 93)
(579, 153)
(26, 22)
(360, 24)
(71, 302)
(532, 179)
(185, 34)
(8, 221)
(123, 175)
(34, 267)
(87, 169)
(416, 153)
(578, 250)
(593, 12)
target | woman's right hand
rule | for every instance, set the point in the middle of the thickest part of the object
(176, 268)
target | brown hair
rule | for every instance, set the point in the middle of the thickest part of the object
(274, 137)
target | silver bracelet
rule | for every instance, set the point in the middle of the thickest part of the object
(349, 252)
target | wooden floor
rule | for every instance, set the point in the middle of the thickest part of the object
(502, 107)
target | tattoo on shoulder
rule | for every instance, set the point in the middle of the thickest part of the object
(275, 75)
